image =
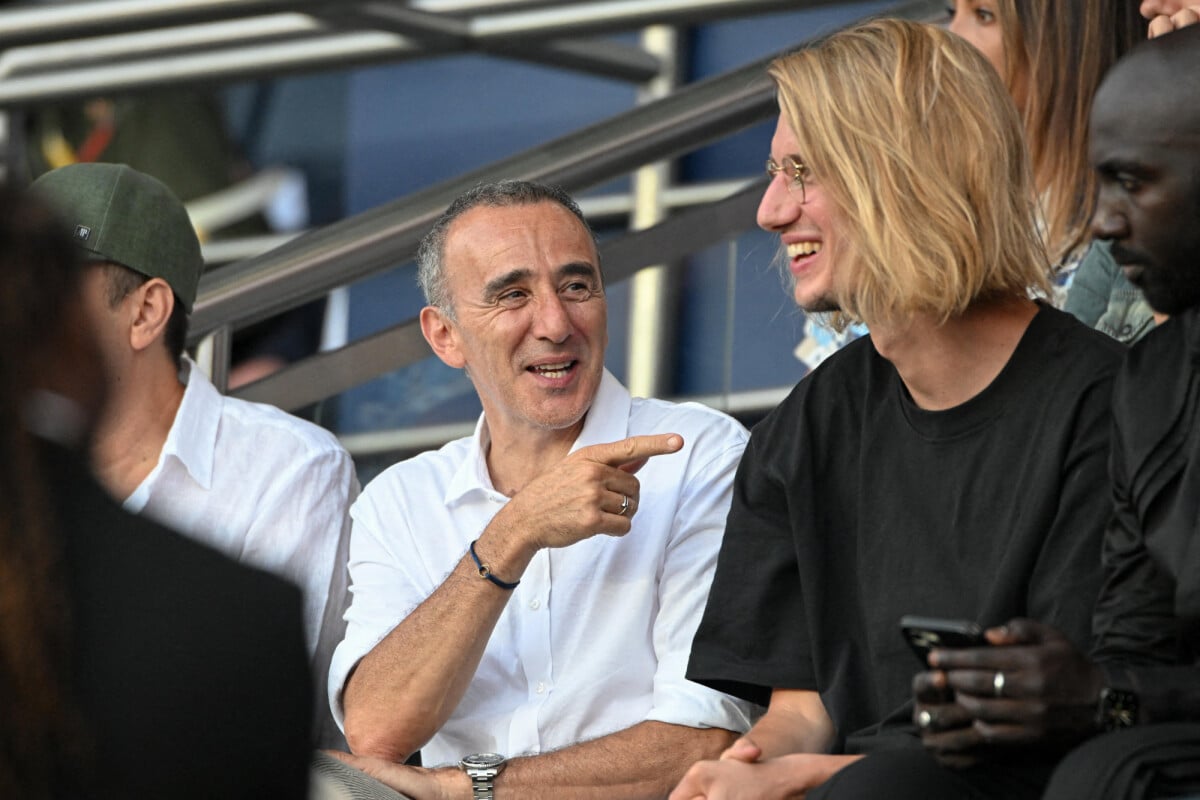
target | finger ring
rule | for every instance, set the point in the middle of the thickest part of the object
(924, 720)
(998, 684)
(624, 505)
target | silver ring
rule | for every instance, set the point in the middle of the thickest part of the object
(998, 684)
(924, 720)
(624, 505)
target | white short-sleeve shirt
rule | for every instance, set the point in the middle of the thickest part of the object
(267, 489)
(596, 637)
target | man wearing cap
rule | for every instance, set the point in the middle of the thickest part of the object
(258, 484)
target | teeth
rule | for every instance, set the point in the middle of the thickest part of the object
(803, 249)
(553, 370)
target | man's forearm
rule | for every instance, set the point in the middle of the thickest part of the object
(403, 691)
(795, 722)
(644, 761)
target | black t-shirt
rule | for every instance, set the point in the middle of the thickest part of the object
(852, 507)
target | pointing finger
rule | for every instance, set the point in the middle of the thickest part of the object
(632, 453)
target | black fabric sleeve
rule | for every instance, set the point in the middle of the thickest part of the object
(1137, 631)
(1068, 575)
(751, 638)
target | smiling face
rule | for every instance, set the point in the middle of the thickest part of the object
(1147, 156)
(805, 222)
(530, 323)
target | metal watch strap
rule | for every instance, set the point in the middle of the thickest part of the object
(482, 769)
(483, 784)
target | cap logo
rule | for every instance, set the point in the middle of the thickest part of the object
(82, 232)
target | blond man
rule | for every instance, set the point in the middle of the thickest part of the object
(950, 464)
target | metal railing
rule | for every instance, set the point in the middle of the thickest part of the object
(81, 49)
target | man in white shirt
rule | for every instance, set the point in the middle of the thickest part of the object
(488, 617)
(260, 485)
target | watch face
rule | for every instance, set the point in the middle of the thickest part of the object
(482, 761)
(1118, 709)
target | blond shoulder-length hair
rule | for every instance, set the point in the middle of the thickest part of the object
(915, 141)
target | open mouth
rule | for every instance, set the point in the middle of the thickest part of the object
(803, 249)
(553, 371)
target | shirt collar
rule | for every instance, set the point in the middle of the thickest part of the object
(607, 420)
(193, 436)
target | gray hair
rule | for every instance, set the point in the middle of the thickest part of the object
(431, 267)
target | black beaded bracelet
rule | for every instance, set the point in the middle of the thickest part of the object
(486, 572)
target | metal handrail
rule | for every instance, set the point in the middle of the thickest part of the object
(374, 32)
(85, 18)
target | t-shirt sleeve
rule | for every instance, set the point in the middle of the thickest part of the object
(1067, 577)
(751, 638)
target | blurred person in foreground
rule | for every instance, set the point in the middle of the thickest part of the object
(134, 663)
(523, 601)
(947, 465)
(260, 485)
(1141, 686)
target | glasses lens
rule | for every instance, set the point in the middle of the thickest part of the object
(793, 170)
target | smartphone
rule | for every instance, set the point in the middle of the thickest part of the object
(926, 633)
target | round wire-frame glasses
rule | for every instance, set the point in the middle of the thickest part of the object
(795, 170)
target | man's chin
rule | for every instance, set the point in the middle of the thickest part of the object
(818, 305)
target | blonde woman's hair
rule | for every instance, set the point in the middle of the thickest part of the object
(914, 139)
(1056, 53)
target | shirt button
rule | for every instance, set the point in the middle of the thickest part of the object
(535, 604)
(541, 688)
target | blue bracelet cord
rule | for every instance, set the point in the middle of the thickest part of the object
(486, 572)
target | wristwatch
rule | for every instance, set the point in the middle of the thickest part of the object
(1117, 709)
(483, 768)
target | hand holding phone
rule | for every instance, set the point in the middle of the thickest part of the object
(924, 634)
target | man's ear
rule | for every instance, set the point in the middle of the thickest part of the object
(153, 303)
(442, 336)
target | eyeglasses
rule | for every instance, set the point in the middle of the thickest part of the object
(795, 170)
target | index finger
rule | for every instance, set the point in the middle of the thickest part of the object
(632, 453)
(980, 658)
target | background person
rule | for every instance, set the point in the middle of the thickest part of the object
(258, 484)
(1101, 295)
(1052, 55)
